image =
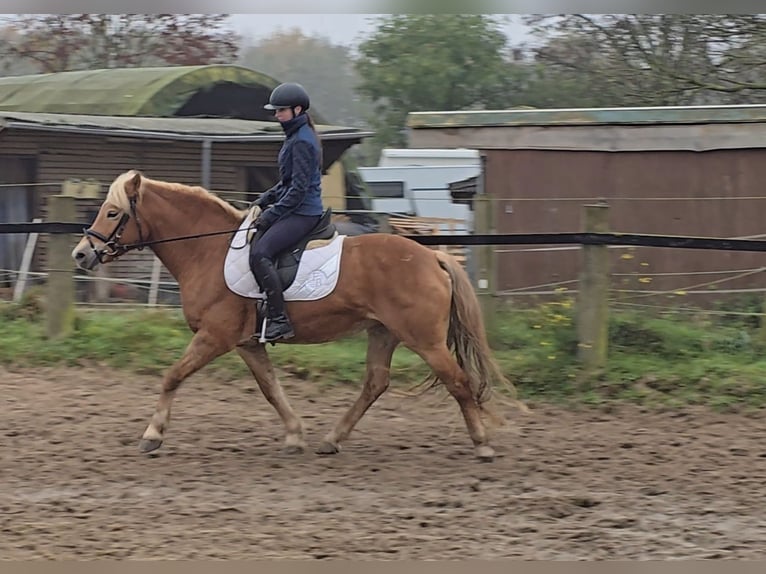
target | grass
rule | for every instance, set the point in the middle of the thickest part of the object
(668, 360)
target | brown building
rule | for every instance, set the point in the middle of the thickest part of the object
(695, 171)
(201, 125)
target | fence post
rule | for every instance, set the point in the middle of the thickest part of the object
(60, 286)
(484, 258)
(154, 286)
(26, 262)
(592, 303)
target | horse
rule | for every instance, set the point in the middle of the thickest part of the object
(397, 290)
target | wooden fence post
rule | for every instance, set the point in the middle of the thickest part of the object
(154, 286)
(592, 301)
(60, 285)
(26, 262)
(484, 262)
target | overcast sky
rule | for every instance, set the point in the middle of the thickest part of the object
(345, 29)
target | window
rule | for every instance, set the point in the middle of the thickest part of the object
(386, 188)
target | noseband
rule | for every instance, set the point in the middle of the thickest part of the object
(112, 247)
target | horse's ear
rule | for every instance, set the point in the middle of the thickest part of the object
(133, 185)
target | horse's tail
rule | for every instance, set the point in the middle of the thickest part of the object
(467, 338)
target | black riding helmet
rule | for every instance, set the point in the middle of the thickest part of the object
(288, 95)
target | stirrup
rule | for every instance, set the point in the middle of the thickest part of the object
(260, 336)
(265, 325)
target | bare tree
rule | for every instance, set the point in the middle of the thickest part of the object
(663, 58)
(63, 42)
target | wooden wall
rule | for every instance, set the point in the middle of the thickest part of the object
(65, 156)
(715, 193)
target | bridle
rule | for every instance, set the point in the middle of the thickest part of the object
(112, 246)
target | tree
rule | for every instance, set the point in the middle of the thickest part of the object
(573, 71)
(12, 66)
(431, 62)
(63, 42)
(662, 59)
(325, 69)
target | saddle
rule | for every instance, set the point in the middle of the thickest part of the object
(286, 262)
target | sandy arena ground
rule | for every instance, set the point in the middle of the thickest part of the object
(568, 484)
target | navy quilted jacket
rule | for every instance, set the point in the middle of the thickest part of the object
(299, 189)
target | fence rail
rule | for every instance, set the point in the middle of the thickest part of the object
(593, 284)
(560, 238)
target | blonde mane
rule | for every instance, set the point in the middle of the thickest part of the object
(117, 194)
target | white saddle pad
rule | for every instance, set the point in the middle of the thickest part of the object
(317, 272)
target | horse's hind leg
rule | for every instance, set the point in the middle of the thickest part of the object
(381, 345)
(202, 349)
(455, 379)
(257, 359)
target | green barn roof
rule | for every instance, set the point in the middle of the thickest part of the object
(157, 91)
(213, 129)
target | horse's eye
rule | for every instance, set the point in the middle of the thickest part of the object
(112, 214)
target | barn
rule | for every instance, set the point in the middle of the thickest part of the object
(194, 124)
(694, 171)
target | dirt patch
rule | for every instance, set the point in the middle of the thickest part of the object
(568, 484)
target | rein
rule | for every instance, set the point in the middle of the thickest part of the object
(114, 249)
(142, 244)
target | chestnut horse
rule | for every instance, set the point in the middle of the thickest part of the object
(396, 289)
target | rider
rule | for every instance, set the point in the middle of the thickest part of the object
(291, 208)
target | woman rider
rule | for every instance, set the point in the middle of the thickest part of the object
(291, 208)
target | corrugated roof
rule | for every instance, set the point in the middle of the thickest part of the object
(156, 91)
(167, 128)
(746, 113)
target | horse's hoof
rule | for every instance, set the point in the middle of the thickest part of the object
(328, 447)
(148, 445)
(293, 449)
(485, 453)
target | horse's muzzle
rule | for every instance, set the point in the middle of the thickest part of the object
(85, 256)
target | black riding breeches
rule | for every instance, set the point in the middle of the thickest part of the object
(284, 233)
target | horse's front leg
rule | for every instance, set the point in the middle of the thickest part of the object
(257, 359)
(202, 349)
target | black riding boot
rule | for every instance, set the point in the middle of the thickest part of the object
(278, 325)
